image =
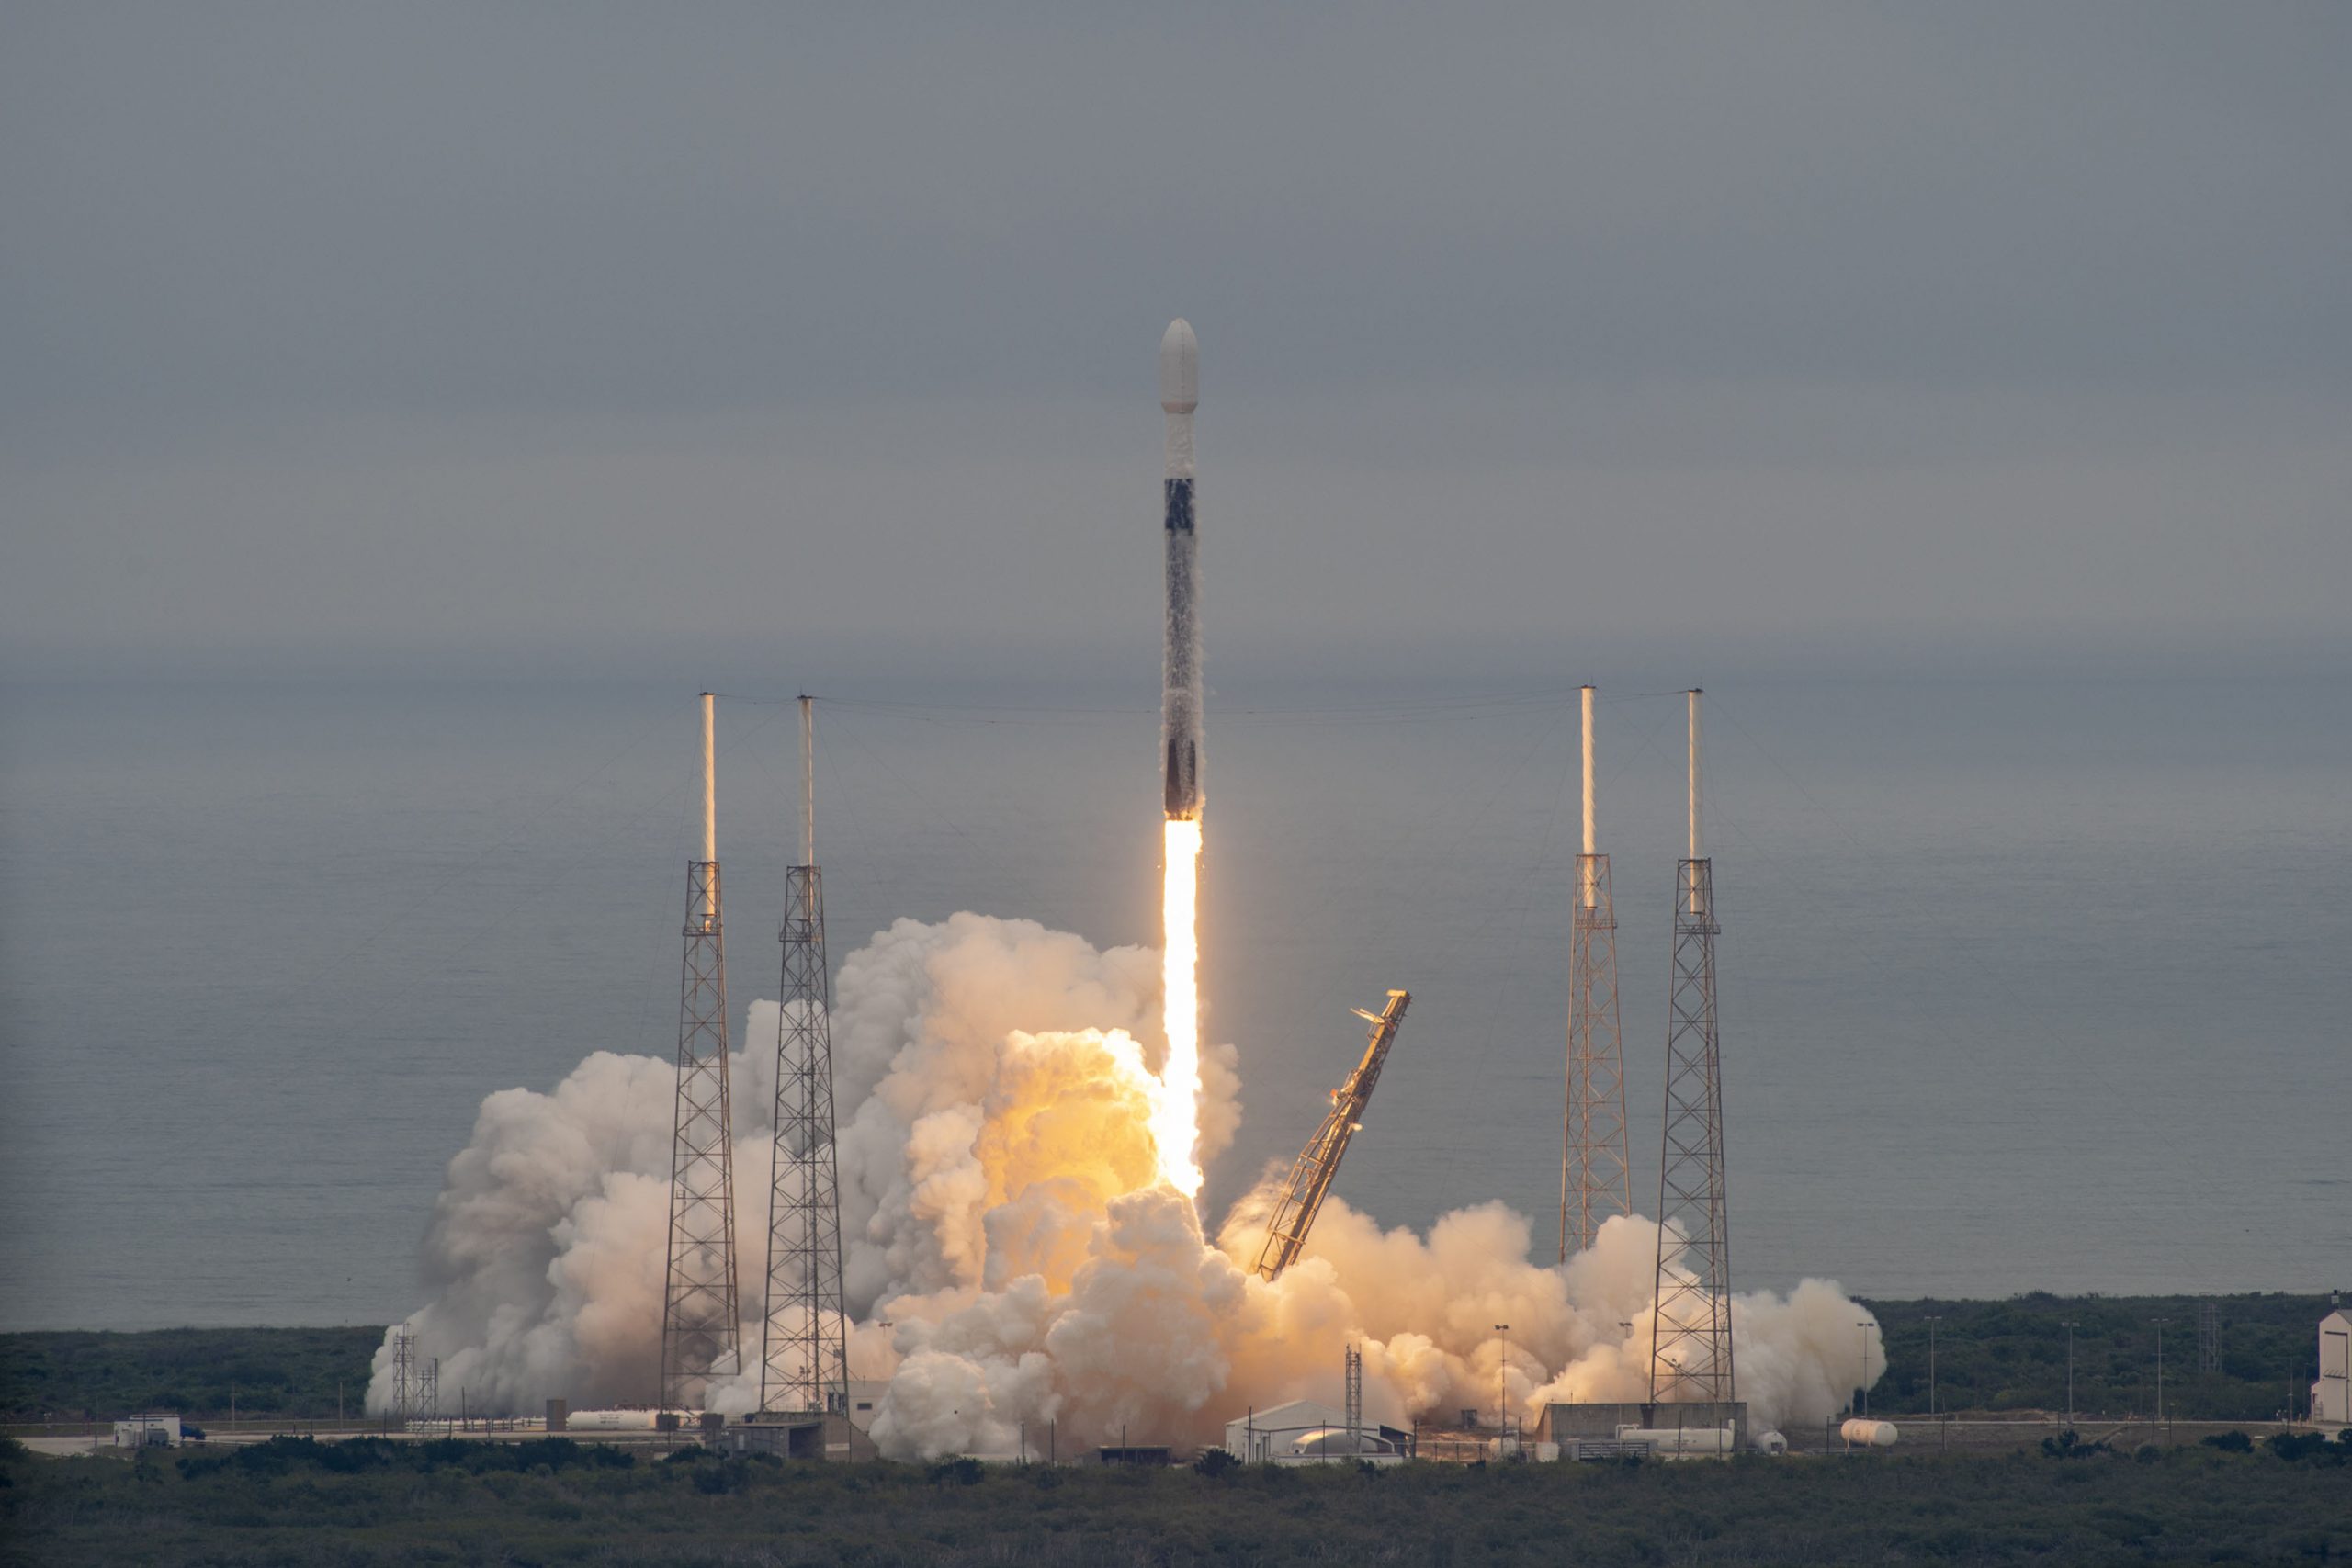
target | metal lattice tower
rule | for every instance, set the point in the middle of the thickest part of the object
(698, 1317)
(428, 1395)
(1691, 1350)
(2209, 1337)
(1355, 1399)
(1596, 1170)
(405, 1386)
(806, 1361)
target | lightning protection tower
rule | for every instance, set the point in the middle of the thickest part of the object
(1690, 1355)
(698, 1317)
(805, 1362)
(1595, 1172)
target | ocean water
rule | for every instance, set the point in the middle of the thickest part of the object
(2025, 984)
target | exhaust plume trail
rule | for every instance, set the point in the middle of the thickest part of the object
(1175, 1117)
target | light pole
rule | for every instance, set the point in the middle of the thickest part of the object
(2070, 1375)
(2160, 1369)
(1865, 1326)
(1502, 1396)
(1933, 1319)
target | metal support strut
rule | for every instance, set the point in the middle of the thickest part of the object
(1311, 1173)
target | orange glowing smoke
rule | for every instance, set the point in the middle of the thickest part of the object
(1175, 1117)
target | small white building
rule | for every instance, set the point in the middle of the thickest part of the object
(1307, 1431)
(148, 1432)
(864, 1400)
(2332, 1395)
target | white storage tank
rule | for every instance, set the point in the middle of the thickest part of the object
(1861, 1434)
(1681, 1442)
(611, 1421)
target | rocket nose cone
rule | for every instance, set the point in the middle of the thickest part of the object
(1180, 368)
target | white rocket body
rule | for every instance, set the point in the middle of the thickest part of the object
(1179, 703)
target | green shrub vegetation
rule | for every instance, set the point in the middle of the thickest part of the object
(292, 1501)
(280, 1373)
(2011, 1355)
(1994, 1356)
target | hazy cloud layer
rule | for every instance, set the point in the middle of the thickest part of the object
(400, 329)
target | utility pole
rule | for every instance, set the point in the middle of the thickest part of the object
(1864, 1326)
(2160, 1369)
(1932, 1320)
(2070, 1376)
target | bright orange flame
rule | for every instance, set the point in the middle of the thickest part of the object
(1175, 1117)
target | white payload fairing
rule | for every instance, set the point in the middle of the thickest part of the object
(1179, 703)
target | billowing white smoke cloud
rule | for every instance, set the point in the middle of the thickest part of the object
(999, 1214)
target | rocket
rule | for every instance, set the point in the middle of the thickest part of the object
(1179, 703)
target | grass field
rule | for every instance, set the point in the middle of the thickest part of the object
(375, 1502)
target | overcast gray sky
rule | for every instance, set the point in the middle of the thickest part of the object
(357, 334)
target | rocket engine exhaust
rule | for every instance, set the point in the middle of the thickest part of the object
(1176, 1118)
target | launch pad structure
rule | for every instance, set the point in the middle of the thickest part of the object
(698, 1316)
(1691, 1345)
(1596, 1170)
(1311, 1173)
(805, 1358)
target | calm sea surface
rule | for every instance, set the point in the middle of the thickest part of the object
(2024, 985)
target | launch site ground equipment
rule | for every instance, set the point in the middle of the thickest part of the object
(1310, 1176)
